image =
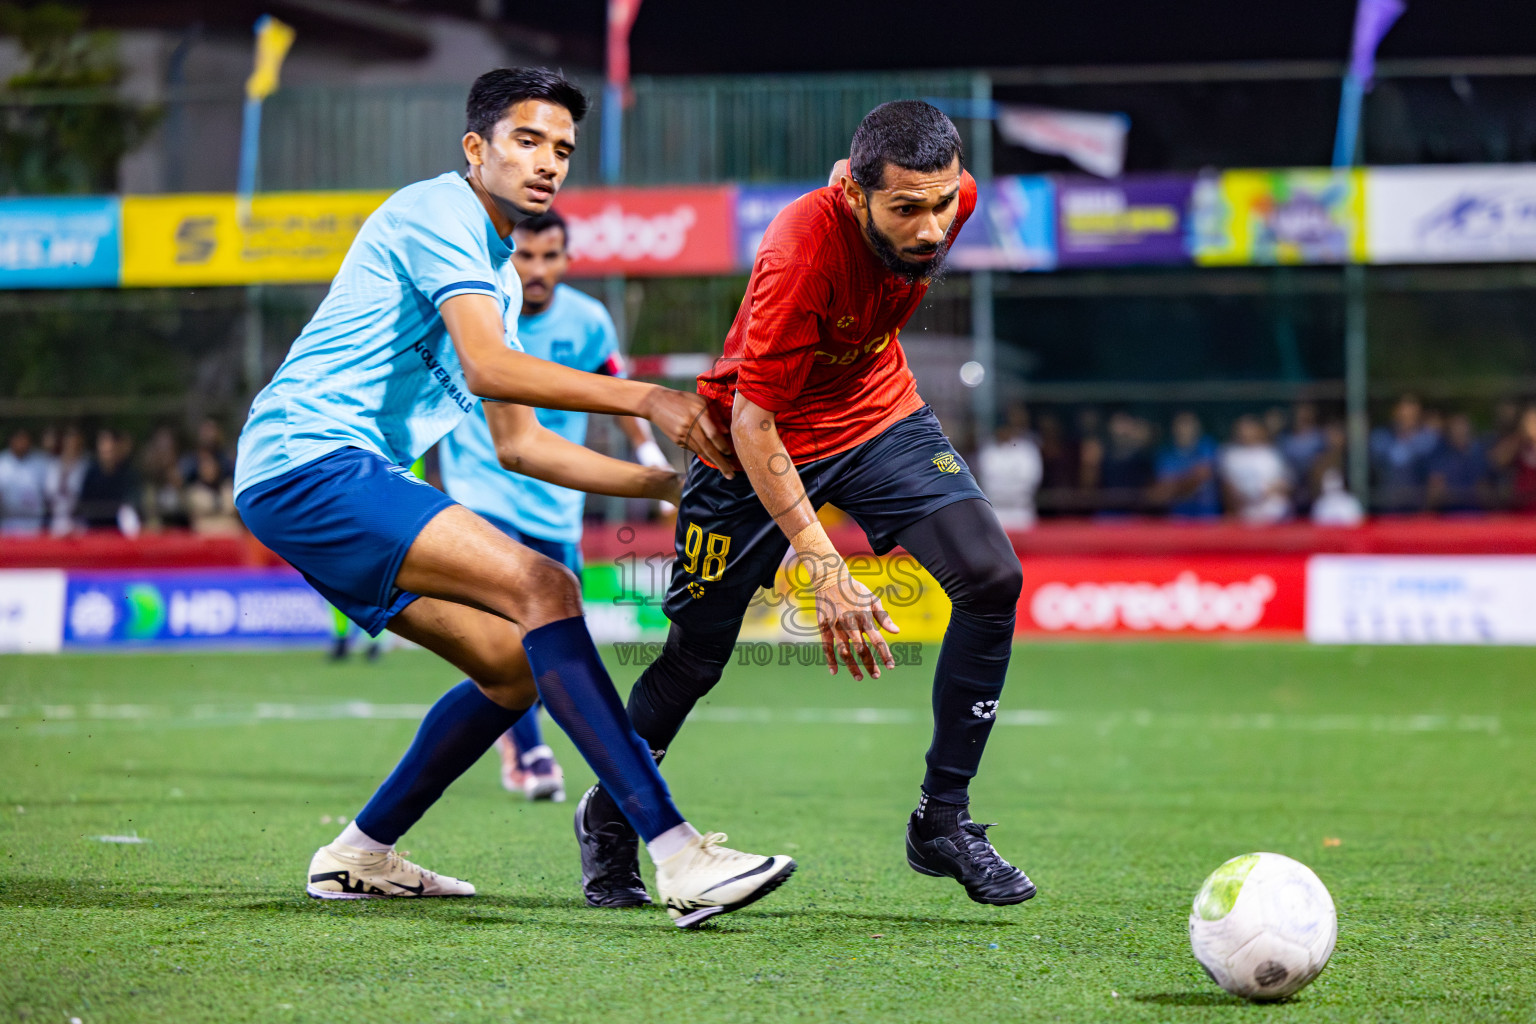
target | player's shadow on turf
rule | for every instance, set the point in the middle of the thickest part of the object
(1191, 999)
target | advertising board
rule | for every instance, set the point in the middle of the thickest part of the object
(1163, 595)
(1450, 214)
(756, 206)
(280, 238)
(1128, 221)
(216, 607)
(59, 242)
(1421, 599)
(651, 231)
(1013, 228)
(1279, 217)
(31, 610)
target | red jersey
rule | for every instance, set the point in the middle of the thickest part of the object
(815, 340)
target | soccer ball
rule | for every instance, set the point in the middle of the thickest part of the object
(1262, 926)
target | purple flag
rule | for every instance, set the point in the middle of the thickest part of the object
(1373, 19)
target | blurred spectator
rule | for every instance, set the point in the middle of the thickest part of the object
(163, 506)
(1516, 454)
(1301, 448)
(1400, 457)
(109, 492)
(1186, 472)
(1127, 470)
(1090, 449)
(210, 439)
(1060, 463)
(1334, 505)
(1253, 474)
(1274, 423)
(1010, 469)
(64, 480)
(210, 495)
(23, 486)
(1458, 470)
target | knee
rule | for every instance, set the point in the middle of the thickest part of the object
(992, 587)
(550, 592)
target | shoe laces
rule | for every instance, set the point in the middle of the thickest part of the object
(982, 853)
(710, 845)
(395, 862)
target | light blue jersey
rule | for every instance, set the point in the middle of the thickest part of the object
(375, 368)
(574, 330)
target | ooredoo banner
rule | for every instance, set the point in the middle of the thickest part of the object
(1423, 599)
(1150, 596)
(651, 231)
(1450, 214)
(1131, 220)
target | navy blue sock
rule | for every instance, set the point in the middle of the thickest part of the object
(461, 726)
(526, 733)
(582, 701)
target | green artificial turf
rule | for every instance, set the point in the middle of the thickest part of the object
(1122, 775)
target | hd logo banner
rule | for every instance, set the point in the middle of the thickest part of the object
(220, 607)
(275, 238)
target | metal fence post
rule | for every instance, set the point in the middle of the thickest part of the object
(983, 339)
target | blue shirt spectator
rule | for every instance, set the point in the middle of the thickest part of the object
(1458, 470)
(1186, 472)
(1400, 457)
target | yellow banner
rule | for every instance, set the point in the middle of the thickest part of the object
(279, 238)
(273, 38)
(1284, 216)
(912, 597)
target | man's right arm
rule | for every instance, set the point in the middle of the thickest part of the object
(496, 372)
(846, 611)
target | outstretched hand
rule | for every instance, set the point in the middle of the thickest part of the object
(685, 420)
(850, 617)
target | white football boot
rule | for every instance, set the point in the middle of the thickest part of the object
(340, 872)
(704, 879)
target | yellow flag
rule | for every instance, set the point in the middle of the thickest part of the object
(273, 38)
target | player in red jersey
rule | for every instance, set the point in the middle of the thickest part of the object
(815, 389)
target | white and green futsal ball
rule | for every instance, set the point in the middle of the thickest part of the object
(1263, 926)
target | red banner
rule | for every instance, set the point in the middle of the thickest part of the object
(1077, 596)
(651, 231)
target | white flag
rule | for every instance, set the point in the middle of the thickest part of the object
(1095, 142)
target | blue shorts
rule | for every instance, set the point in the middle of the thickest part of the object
(345, 521)
(568, 555)
(904, 473)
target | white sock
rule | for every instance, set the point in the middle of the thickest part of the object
(671, 841)
(358, 839)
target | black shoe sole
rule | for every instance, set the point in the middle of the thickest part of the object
(696, 918)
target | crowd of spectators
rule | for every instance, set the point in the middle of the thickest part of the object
(1273, 466)
(57, 482)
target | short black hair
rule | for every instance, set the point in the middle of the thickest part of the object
(495, 91)
(544, 222)
(908, 133)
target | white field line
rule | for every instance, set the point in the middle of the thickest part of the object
(70, 718)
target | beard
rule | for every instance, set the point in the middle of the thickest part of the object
(913, 270)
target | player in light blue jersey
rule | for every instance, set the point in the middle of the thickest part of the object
(565, 326)
(420, 323)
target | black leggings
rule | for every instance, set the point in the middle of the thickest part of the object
(966, 550)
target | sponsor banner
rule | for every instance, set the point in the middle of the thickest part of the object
(1013, 228)
(1114, 223)
(1421, 599)
(1450, 214)
(1161, 596)
(31, 610)
(756, 206)
(218, 607)
(651, 231)
(1279, 217)
(277, 238)
(63, 242)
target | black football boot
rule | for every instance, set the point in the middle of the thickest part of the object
(968, 857)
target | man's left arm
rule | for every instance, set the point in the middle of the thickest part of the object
(524, 446)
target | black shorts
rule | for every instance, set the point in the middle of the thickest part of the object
(728, 545)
